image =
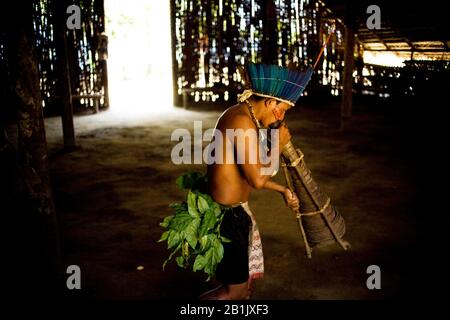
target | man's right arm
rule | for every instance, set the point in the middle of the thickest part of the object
(252, 169)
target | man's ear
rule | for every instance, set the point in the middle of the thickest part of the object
(270, 103)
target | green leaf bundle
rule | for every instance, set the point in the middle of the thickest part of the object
(193, 231)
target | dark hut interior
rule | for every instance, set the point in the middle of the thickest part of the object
(92, 92)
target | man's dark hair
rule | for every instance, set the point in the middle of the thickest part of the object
(257, 98)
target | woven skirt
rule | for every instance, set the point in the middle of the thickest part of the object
(243, 257)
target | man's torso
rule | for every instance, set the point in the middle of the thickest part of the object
(227, 184)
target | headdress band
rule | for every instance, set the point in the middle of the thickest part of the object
(249, 92)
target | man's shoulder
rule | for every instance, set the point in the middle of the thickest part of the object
(236, 118)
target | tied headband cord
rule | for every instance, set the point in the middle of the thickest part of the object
(323, 48)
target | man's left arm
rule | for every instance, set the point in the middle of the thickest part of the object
(289, 197)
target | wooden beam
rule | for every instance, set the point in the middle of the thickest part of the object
(64, 85)
(347, 94)
(408, 50)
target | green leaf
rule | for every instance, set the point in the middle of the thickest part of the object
(199, 263)
(203, 242)
(174, 239)
(180, 221)
(209, 262)
(180, 261)
(218, 252)
(170, 257)
(213, 255)
(164, 236)
(165, 223)
(191, 232)
(179, 207)
(208, 221)
(216, 208)
(208, 198)
(217, 229)
(202, 203)
(185, 249)
(190, 180)
(207, 242)
(192, 204)
(224, 239)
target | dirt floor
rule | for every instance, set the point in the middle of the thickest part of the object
(113, 191)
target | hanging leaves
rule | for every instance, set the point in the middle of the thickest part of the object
(194, 228)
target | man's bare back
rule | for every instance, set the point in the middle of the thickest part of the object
(227, 184)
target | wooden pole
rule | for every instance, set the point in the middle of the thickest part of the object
(347, 94)
(104, 66)
(359, 66)
(296, 212)
(64, 86)
(104, 52)
(177, 101)
(270, 36)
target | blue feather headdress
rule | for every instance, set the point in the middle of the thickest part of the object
(276, 82)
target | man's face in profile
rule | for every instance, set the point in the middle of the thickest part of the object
(277, 112)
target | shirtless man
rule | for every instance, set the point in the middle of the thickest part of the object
(232, 183)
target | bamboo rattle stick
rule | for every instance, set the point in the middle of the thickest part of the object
(296, 212)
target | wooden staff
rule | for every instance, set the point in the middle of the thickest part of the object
(297, 211)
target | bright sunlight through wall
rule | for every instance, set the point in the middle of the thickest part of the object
(139, 62)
